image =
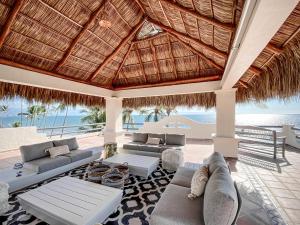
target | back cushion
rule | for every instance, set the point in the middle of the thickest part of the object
(139, 137)
(35, 151)
(175, 139)
(71, 142)
(161, 136)
(220, 199)
(215, 161)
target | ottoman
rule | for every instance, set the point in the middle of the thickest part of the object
(4, 206)
(172, 159)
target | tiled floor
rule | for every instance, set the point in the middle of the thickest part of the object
(279, 179)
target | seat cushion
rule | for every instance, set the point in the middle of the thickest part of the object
(35, 151)
(71, 142)
(161, 136)
(175, 139)
(77, 155)
(215, 161)
(45, 164)
(144, 147)
(183, 177)
(140, 137)
(220, 199)
(175, 208)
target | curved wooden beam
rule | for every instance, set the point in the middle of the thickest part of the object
(10, 20)
(140, 5)
(175, 82)
(118, 49)
(196, 41)
(91, 20)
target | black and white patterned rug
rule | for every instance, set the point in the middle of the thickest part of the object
(139, 198)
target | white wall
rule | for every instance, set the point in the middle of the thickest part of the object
(291, 136)
(180, 125)
(13, 138)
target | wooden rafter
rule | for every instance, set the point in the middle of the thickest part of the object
(255, 70)
(172, 57)
(153, 50)
(118, 49)
(122, 63)
(196, 41)
(244, 84)
(116, 10)
(201, 55)
(274, 49)
(164, 13)
(193, 13)
(291, 37)
(140, 5)
(10, 20)
(91, 20)
(175, 82)
(141, 62)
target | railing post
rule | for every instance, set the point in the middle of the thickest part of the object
(275, 144)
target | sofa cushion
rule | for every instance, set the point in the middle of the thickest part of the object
(215, 161)
(161, 136)
(139, 137)
(175, 208)
(144, 147)
(59, 150)
(77, 155)
(71, 142)
(220, 199)
(153, 141)
(183, 177)
(199, 181)
(35, 151)
(175, 139)
(45, 164)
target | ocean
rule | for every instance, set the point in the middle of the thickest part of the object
(241, 119)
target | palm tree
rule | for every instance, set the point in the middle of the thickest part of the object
(33, 112)
(170, 109)
(154, 114)
(3, 110)
(60, 108)
(128, 118)
(16, 124)
(93, 115)
(65, 119)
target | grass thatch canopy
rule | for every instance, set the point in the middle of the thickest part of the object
(8, 90)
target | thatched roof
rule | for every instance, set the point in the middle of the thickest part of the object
(150, 43)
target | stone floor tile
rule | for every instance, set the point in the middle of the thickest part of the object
(294, 215)
(289, 203)
(279, 192)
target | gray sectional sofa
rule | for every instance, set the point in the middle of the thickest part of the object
(138, 144)
(38, 165)
(220, 204)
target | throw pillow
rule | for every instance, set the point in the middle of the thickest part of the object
(153, 141)
(60, 150)
(199, 180)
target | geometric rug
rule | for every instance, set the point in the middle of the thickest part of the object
(139, 198)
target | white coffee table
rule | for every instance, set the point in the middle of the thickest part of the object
(138, 165)
(70, 201)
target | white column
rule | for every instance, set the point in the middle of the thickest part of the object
(225, 140)
(113, 127)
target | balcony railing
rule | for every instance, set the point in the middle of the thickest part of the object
(74, 129)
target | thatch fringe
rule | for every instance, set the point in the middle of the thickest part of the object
(280, 79)
(206, 100)
(8, 90)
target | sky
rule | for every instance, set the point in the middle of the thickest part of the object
(268, 107)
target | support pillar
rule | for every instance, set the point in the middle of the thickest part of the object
(225, 140)
(114, 123)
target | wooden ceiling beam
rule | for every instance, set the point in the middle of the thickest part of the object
(182, 35)
(172, 57)
(255, 70)
(118, 13)
(122, 63)
(274, 49)
(91, 20)
(227, 26)
(175, 82)
(201, 55)
(10, 20)
(141, 62)
(244, 84)
(140, 5)
(118, 49)
(153, 50)
(164, 13)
